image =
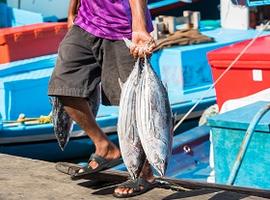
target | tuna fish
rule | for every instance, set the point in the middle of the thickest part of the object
(129, 141)
(154, 119)
(145, 126)
(62, 123)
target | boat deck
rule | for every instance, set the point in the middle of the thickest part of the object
(23, 179)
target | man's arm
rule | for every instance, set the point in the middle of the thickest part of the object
(140, 36)
(72, 11)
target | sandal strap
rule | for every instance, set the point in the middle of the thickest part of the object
(145, 184)
(100, 161)
(139, 186)
(131, 184)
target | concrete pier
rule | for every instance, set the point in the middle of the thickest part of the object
(27, 179)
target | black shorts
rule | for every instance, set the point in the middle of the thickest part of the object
(84, 61)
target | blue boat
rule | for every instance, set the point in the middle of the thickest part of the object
(184, 70)
(23, 88)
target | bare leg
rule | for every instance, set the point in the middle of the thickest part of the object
(79, 110)
(146, 174)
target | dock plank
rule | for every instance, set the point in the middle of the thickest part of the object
(27, 179)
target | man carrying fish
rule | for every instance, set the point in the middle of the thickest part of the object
(93, 51)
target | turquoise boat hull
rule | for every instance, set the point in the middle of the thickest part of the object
(38, 141)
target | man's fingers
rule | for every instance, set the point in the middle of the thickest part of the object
(142, 50)
(135, 51)
(149, 48)
(132, 48)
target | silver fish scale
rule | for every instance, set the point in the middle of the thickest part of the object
(140, 118)
(63, 124)
(129, 141)
(154, 118)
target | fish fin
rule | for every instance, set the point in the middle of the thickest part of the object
(120, 83)
(166, 86)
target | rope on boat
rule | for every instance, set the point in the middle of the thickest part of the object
(207, 93)
(43, 119)
(245, 143)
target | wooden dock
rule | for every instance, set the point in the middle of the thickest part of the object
(26, 179)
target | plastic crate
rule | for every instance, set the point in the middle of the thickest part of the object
(30, 41)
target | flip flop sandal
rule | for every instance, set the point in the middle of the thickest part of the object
(139, 187)
(67, 168)
(103, 164)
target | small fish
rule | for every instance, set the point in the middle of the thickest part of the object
(154, 119)
(130, 144)
(62, 123)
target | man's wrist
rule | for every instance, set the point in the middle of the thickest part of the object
(139, 26)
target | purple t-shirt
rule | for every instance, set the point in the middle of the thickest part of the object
(109, 19)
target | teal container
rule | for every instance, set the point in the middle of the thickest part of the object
(228, 131)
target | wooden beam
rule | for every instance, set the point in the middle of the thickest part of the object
(115, 175)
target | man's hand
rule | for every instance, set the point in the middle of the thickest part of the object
(143, 44)
(70, 21)
(72, 12)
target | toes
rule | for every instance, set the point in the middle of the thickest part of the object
(141, 187)
(93, 164)
(117, 190)
(125, 191)
(130, 191)
(122, 190)
(81, 171)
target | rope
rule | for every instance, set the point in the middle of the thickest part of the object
(221, 76)
(43, 119)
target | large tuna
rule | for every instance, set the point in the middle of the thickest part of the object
(129, 141)
(62, 123)
(154, 119)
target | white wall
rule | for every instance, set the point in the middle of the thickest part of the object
(233, 16)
